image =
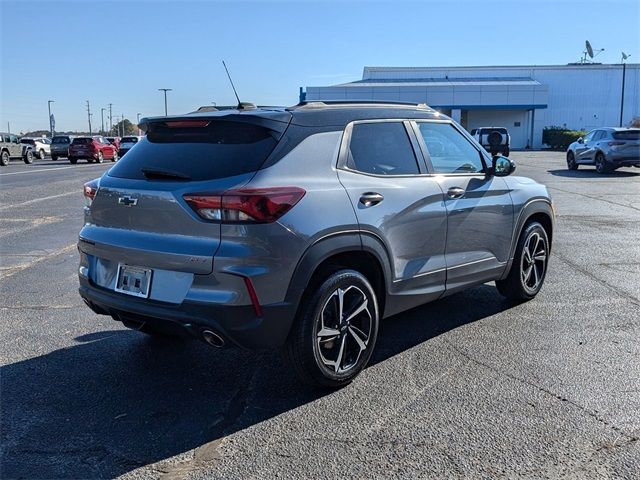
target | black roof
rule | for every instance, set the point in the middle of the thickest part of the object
(313, 114)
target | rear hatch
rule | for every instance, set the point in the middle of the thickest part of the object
(139, 215)
(627, 143)
(81, 146)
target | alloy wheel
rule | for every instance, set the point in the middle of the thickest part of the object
(343, 330)
(533, 262)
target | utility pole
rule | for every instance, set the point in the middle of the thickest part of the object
(102, 110)
(122, 123)
(165, 90)
(138, 123)
(89, 115)
(8, 127)
(110, 119)
(51, 127)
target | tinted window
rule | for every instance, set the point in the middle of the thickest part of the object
(28, 141)
(129, 140)
(487, 131)
(220, 149)
(82, 141)
(60, 140)
(382, 149)
(449, 150)
(589, 136)
(627, 135)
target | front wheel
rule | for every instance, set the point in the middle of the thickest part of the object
(28, 157)
(571, 161)
(115, 157)
(529, 266)
(4, 159)
(100, 157)
(506, 152)
(335, 332)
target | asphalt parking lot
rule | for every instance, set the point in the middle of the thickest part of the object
(468, 386)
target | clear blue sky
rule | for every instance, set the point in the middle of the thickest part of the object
(122, 52)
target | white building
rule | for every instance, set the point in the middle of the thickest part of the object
(525, 99)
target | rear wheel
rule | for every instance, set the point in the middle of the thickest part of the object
(529, 266)
(335, 332)
(601, 164)
(100, 157)
(73, 160)
(4, 158)
(571, 161)
(54, 157)
(28, 157)
(506, 152)
(115, 157)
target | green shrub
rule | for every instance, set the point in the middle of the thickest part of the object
(560, 138)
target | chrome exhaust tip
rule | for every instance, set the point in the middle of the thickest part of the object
(213, 339)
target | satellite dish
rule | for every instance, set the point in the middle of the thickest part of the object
(625, 56)
(589, 49)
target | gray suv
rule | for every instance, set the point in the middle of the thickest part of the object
(607, 149)
(11, 147)
(302, 228)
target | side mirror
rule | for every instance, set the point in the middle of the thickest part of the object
(580, 140)
(502, 166)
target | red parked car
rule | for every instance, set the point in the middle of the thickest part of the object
(93, 149)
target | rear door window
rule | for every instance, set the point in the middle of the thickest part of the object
(381, 148)
(204, 151)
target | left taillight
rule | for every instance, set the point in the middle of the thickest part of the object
(90, 190)
(249, 205)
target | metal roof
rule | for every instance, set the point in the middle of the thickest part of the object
(442, 82)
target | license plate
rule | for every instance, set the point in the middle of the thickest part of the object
(134, 280)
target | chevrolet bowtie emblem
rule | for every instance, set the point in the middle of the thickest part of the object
(128, 201)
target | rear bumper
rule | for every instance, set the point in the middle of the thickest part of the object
(624, 160)
(238, 325)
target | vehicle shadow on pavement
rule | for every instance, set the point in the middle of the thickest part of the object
(591, 173)
(119, 400)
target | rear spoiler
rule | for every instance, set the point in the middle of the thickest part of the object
(277, 121)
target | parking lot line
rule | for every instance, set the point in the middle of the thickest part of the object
(11, 271)
(41, 199)
(46, 169)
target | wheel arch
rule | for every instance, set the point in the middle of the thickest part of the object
(539, 210)
(349, 250)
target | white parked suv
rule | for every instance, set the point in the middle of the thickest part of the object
(495, 140)
(41, 146)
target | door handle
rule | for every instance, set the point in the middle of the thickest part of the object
(455, 192)
(370, 199)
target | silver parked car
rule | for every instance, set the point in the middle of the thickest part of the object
(607, 149)
(302, 228)
(41, 146)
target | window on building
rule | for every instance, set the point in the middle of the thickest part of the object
(449, 150)
(381, 148)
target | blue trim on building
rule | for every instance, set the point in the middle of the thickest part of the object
(490, 107)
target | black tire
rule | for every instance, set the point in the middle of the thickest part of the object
(5, 158)
(54, 157)
(506, 152)
(41, 154)
(571, 161)
(115, 157)
(28, 157)
(100, 157)
(73, 160)
(520, 286)
(601, 164)
(307, 352)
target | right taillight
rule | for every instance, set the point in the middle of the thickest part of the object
(249, 205)
(90, 190)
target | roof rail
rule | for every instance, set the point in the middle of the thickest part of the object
(328, 103)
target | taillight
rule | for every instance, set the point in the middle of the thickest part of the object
(250, 205)
(90, 190)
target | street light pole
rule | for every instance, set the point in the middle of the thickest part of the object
(49, 102)
(165, 90)
(102, 110)
(110, 119)
(624, 71)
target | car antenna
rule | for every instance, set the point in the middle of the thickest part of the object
(241, 105)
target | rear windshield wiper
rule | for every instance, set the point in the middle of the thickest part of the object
(163, 175)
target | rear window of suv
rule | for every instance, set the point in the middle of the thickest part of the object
(218, 149)
(627, 135)
(60, 140)
(82, 141)
(128, 139)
